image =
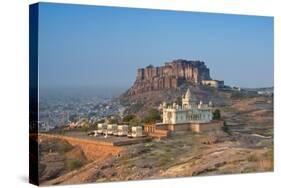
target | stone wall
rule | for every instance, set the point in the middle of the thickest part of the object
(93, 150)
(205, 127)
(194, 127)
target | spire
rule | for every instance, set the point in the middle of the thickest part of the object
(188, 93)
(188, 99)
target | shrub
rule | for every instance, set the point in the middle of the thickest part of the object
(253, 158)
(113, 121)
(73, 164)
(135, 122)
(226, 129)
(179, 101)
(129, 117)
(147, 145)
(152, 116)
(217, 114)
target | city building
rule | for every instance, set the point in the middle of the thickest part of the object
(213, 83)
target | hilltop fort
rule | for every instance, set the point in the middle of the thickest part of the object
(171, 76)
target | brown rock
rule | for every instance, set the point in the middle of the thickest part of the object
(171, 75)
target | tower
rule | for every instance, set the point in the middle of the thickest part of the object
(188, 100)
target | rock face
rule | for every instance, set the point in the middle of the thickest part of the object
(171, 75)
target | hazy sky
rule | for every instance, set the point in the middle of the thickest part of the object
(104, 46)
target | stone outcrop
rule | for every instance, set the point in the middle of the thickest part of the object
(171, 75)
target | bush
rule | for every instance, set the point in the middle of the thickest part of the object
(237, 95)
(217, 114)
(135, 122)
(65, 147)
(73, 164)
(129, 117)
(179, 101)
(226, 129)
(152, 116)
(85, 128)
(113, 121)
(253, 158)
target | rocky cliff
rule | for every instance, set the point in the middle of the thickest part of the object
(171, 75)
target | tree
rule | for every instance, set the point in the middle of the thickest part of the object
(217, 114)
(129, 117)
(135, 122)
(101, 121)
(113, 121)
(152, 116)
(179, 101)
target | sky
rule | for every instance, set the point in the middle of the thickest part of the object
(92, 46)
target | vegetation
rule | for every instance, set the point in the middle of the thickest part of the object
(85, 128)
(249, 170)
(135, 122)
(217, 114)
(148, 145)
(129, 117)
(73, 164)
(226, 129)
(113, 121)
(61, 131)
(252, 158)
(237, 95)
(101, 121)
(152, 116)
(179, 101)
(136, 107)
(73, 118)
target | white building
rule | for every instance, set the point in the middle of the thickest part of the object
(213, 83)
(189, 112)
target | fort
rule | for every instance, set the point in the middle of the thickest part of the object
(172, 75)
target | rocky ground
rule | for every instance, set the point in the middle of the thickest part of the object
(244, 145)
(139, 104)
(57, 157)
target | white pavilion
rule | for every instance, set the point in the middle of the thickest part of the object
(189, 112)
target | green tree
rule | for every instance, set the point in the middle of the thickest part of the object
(179, 101)
(217, 114)
(101, 121)
(226, 129)
(74, 164)
(129, 117)
(135, 122)
(152, 116)
(113, 121)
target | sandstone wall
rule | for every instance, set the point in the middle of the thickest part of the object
(205, 127)
(93, 150)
